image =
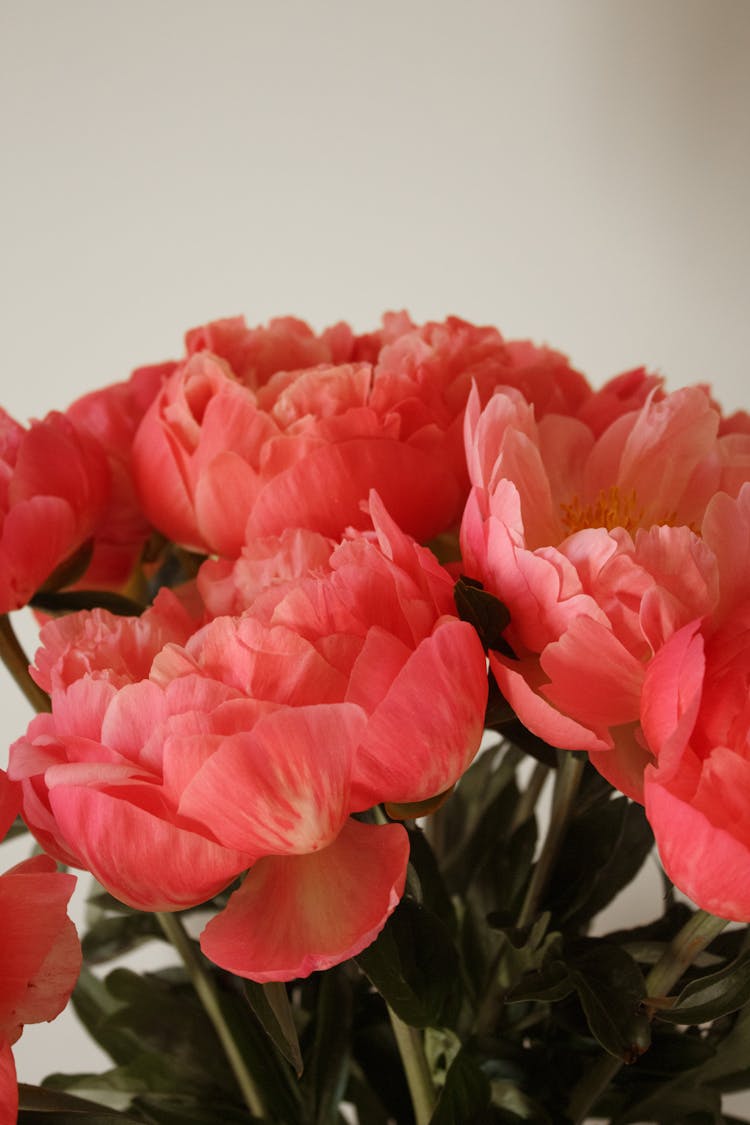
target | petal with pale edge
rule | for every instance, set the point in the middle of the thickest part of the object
(294, 915)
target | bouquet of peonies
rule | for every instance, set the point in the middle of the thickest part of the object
(323, 617)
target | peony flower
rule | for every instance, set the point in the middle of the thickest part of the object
(696, 721)
(40, 956)
(171, 764)
(302, 446)
(54, 483)
(593, 543)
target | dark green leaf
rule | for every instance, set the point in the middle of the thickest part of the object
(550, 983)
(110, 937)
(270, 1002)
(484, 611)
(611, 989)
(466, 1095)
(328, 1070)
(605, 846)
(40, 1101)
(712, 996)
(432, 890)
(414, 965)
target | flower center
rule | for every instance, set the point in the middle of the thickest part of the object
(610, 509)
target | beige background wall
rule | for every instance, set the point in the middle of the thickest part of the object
(571, 170)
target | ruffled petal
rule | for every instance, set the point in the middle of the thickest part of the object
(427, 729)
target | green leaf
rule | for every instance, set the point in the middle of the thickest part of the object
(43, 1103)
(327, 1073)
(466, 1095)
(551, 982)
(433, 893)
(485, 612)
(414, 965)
(271, 1005)
(605, 846)
(712, 996)
(611, 989)
(111, 936)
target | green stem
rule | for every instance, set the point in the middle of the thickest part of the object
(567, 780)
(17, 663)
(209, 997)
(411, 1049)
(693, 938)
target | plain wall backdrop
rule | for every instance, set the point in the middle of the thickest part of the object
(574, 171)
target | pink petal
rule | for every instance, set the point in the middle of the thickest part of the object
(289, 781)
(592, 675)
(294, 915)
(672, 696)
(427, 729)
(142, 859)
(10, 802)
(702, 857)
(519, 682)
(325, 491)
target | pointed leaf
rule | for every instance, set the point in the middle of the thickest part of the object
(414, 966)
(271, 1004)
(712, 996)
(611, 989)
(484, 611)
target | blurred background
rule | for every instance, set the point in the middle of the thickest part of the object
(573, 171)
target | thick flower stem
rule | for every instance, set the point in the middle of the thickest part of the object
(17, 663)
(695, 936)
(567, 780)
(411, 1049)
(206, 990)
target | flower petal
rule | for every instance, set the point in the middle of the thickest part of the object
(294, 915)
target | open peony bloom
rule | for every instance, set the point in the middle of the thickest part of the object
(175, 759)
(591, 537)
(54, 483)
(696, 721)
(301, 446)
(40, 956)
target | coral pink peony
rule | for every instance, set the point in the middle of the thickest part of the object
(54, 483)
(696, 721)
(172, 763)
(301, 446)
(593, 543)
(40, 956)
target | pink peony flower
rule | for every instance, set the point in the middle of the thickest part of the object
(40, 956)
(593, 543)
(696, 721)
(302, 446)
(172, 763)
(54, 483)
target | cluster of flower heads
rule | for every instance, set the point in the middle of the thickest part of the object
(247, 723)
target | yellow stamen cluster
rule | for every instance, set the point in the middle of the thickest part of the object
(610, 510)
